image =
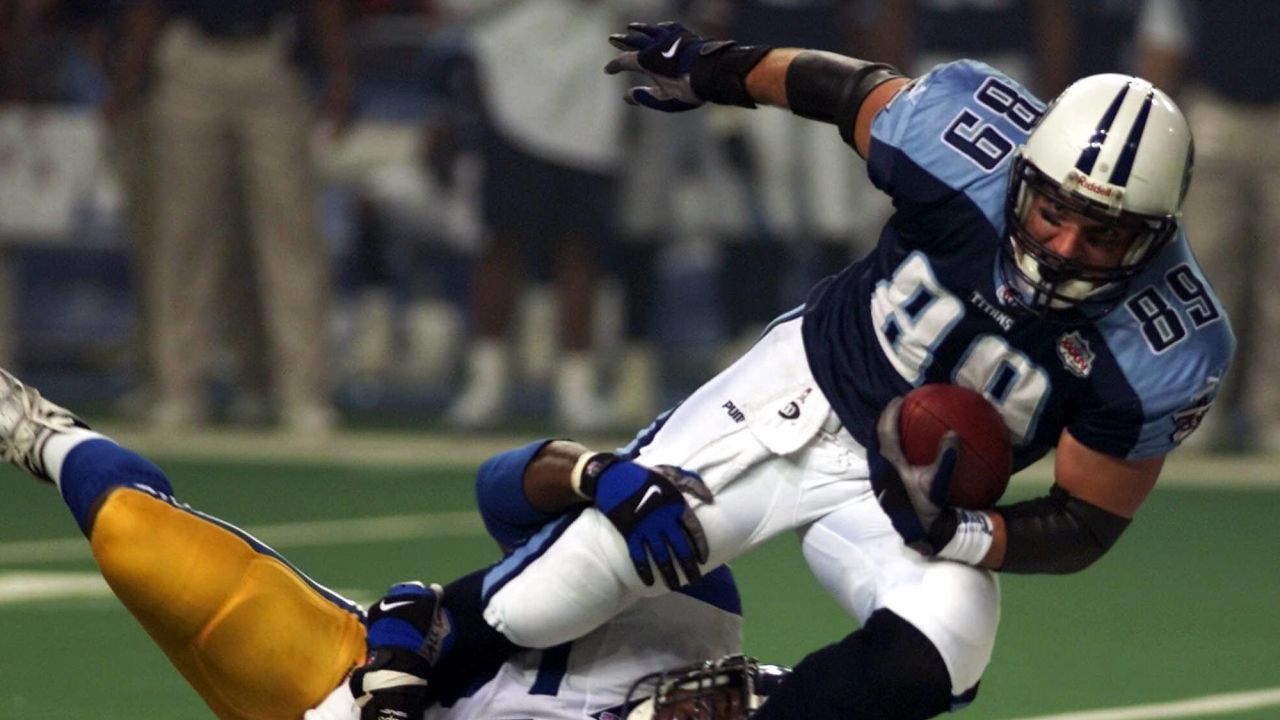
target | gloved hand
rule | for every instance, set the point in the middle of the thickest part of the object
(408, 634)
(914, 496)
(665, 53)
(649, 509)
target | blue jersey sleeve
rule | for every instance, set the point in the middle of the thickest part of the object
(952, 130)
(1173, 344)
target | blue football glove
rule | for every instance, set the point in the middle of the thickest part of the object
(914, 496)
(408, 634)
(665, 53)
(649, 509)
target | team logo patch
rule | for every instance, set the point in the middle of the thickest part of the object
(1186, 420)
(1077, 356)
(1007, 295)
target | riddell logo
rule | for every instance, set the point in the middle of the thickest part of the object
(1098, 188)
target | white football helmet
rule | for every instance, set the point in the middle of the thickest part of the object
(1116, 149)
(730, 688)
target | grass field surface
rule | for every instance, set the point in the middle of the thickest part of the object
(1181, 619)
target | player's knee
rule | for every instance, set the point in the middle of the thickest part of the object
(888, 670)
(901, 673)
(962, 629)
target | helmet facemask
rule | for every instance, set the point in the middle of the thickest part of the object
(731, 688)
(1045, 281)
(1116, 153)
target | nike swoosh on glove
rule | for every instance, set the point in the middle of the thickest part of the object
(665, 53)
(649, 509)
(409, 632)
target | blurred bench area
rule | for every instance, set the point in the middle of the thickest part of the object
(314, 214)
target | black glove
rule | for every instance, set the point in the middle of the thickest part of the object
(665, 52)
(408, 634)
(914, 496)
(685, 69)
(648, 507)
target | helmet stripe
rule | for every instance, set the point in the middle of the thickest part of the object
(1124, 164)
(1089, 155)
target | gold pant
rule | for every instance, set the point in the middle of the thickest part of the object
(251, 635)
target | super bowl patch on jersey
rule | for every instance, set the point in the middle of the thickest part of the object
(1077, 356)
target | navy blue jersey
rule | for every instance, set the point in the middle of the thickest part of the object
(927, 304)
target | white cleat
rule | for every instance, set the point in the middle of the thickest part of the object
(27, 421)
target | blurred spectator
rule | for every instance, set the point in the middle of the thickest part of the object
(681, 202)
(814, 208)
(1030, 40)
(550, 160)
(1224, 55)
(232, 122)
(411, 166)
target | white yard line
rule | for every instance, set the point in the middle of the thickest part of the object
(18, 587)
(426, 450)
(25, 586)
(1224, 704)
(386, 528)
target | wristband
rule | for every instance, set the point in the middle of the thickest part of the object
(971, 538)
(586, 472)
(719, 72)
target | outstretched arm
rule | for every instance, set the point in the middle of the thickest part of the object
(687, 70)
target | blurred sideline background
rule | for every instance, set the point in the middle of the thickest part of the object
(435, 305)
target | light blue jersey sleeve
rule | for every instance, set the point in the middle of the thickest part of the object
(1173, 344)
(952, 129)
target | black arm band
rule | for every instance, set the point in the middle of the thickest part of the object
(829, 87)
(1057, 534)
(719, 73)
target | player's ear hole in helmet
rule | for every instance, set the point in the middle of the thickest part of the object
(730, 688)
(1115, 153)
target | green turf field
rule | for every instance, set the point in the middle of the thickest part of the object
(1186, 606)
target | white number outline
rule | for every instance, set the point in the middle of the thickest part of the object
(922, 332)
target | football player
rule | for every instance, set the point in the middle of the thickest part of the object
(259, 640)
(1035, 255)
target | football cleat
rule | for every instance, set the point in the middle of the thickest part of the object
(27, 421)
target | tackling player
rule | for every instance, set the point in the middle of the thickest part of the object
(1035, 255)
(259, 640)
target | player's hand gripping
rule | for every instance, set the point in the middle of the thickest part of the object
(649, 509)
(914, 496)
(408, 633)
(665, 52)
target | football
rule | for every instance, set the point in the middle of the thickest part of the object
(986, 454)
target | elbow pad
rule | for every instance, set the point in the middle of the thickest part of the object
(1057, 534)
(829, 87)
(506, 511)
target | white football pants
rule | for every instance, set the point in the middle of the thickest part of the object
(767, 443)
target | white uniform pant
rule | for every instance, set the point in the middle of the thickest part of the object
(765, 441)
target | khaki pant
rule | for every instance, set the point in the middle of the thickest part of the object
(1232, 217)
(231, 126)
